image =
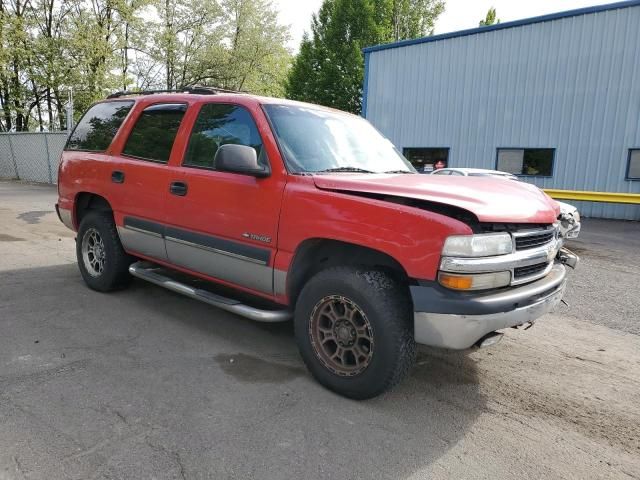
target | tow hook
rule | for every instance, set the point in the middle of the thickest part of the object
(568, 258)
(524, 326)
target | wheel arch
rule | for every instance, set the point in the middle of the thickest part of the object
(87, 201)
(316, 254)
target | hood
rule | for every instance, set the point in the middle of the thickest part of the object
(488, 198)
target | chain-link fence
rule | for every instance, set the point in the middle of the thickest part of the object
(31, 156)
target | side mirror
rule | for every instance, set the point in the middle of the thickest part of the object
(239, 159)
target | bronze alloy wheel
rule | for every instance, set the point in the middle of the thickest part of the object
(341, 335)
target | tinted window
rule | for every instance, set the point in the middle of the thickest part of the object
(98, 126)
(153, 134)
(526, 161)
(633, 169)
(220, 124)
(425, 159)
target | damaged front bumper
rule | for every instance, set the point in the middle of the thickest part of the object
(458, 320)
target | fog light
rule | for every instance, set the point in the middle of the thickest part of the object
(479, 281)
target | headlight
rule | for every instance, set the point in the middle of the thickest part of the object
(483, 245)
(479, 281)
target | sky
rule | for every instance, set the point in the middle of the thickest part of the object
(458, 14)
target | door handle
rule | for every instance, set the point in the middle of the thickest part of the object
(178, 188)
(117, 176)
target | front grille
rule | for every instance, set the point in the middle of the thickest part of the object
(535, 239)
(529, 271)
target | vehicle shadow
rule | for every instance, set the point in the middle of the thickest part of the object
(146, 379)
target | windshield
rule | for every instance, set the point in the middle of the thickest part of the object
(314, 140)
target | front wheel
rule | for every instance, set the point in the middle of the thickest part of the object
(354, 331)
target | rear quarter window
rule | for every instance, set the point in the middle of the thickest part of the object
(98, 126)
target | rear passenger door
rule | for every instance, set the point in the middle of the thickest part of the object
(224, 224)
(140, 177)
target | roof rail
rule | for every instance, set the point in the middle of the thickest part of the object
(195, 90)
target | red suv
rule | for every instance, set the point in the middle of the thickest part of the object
(310, 213)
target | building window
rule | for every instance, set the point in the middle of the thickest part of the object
(154, 132)
(425, 160)
(535, 162)
(633, 167)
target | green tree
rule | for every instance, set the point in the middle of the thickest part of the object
(258, 59)
(234, 44)
(490, 19)
(16, 57)
(51, 51)
(414, 18)
(329, 67)
(49, 48)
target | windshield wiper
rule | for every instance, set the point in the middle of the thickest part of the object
(344, 169)
(400, 171)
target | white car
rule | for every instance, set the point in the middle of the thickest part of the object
(569, 216)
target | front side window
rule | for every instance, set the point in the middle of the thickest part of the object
(633, 168)
(427, 160)
(153, 134)
(221, 124)
(313, 140)
(537, 162)
(98, 126)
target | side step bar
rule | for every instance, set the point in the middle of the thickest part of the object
(147, 272)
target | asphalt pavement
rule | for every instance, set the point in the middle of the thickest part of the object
(146, 384)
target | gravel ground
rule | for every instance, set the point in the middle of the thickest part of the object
(605, 288)
(147, 384)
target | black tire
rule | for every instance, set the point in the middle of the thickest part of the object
(388, 316)
(114, 273)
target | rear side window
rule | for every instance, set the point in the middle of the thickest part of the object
(152, 136)
(98, 126)
(220, 124)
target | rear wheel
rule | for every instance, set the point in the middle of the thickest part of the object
(103, 263)
(354, 331)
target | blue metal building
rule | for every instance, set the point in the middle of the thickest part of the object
(554, 98)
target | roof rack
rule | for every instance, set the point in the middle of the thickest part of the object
(196, 90)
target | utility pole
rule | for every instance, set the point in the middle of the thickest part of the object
(70, 111)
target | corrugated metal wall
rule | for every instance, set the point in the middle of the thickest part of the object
(572, 84)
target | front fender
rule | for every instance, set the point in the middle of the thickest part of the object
(412, 236)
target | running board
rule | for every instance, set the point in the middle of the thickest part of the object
(147, 272)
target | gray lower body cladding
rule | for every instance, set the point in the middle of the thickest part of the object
(230, 261)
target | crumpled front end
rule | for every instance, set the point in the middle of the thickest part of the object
(477, 294)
